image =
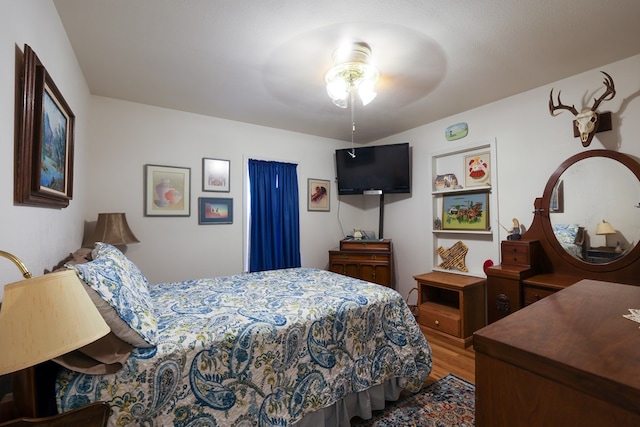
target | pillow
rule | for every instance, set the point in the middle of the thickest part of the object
(105, 250)
(122, 298)
(565, 233)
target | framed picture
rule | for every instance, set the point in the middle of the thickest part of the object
(167, 191)
(215, 210)
(318, 194)
(477, 169)
(44, 139)
(465, 211)
(215, 175)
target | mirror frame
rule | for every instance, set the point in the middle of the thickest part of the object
(617, 264)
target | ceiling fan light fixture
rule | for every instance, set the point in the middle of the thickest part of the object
(352, 72)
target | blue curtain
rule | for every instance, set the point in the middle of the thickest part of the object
(275, 222)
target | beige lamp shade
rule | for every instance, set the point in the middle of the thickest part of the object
(45, 317)
(113, 228)
(604, 228)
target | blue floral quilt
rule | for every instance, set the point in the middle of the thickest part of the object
(258, 349)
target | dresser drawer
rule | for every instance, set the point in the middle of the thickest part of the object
(365, 245)
(533, 294)
(443, 321)
(519, 252)
(359, 257)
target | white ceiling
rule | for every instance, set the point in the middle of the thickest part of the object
(263, 61)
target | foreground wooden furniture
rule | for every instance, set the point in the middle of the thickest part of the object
(451, 305)
(370, 260)
(570, 359)
(92, 415)
(538, 265)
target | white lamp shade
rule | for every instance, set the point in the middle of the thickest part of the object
(45, 317)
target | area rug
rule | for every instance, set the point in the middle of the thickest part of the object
(450, 401)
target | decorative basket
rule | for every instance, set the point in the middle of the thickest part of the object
(412, 307)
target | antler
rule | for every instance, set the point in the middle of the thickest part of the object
(560, 105)
(611, 90)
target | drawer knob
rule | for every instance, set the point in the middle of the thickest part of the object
(437, 323)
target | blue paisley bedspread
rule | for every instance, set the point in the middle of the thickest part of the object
(258, 349)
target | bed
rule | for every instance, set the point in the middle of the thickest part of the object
(285, 347)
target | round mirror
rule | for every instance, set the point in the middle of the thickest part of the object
(593, 201)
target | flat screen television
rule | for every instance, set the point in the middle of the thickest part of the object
(378, 169)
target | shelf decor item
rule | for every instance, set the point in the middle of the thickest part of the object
(215, 175)
(44, 146)
(465, 211)
(454, 257)
(477, 169)
(167, 191)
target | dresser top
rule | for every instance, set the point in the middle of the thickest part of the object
(577, 337)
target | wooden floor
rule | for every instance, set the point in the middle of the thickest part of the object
(448, 358)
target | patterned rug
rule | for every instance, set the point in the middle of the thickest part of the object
(449, 401)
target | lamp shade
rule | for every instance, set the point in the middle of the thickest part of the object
(45, 317)
(604, 228)
(113, 228)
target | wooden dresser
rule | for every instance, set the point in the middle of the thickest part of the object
(370, 260)
(570, 359)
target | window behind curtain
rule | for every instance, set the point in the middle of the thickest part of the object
(274, 217)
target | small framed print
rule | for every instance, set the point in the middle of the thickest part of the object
(213, 210)
(215, 175)
(167, 191)
(319, 194)
(477, 169)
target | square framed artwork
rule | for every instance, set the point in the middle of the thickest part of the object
(44, 148)
(214, 210)
(465, 211)
(215, 175)
(167, 191)
(477, 169)
(318, 195)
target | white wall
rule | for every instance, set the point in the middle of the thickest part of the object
(531, 144)
(38, 236)
(125, 136)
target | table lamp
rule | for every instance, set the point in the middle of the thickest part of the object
(113, 228)
(605, 229)
(42, 318)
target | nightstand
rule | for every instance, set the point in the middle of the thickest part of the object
(451, 305)
(602, 254)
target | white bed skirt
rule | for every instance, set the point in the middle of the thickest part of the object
(360, 404)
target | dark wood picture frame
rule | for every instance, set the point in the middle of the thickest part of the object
(44, 139)
(167, 190)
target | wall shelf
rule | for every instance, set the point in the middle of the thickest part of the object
(482, 245)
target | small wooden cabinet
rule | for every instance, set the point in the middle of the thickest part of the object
(505, 281)
(451, 305)
(370, 260)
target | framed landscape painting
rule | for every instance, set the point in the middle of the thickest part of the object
(465, 211)
(44, 146)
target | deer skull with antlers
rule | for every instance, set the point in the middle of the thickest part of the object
(587, 119)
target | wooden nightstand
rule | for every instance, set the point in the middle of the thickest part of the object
(451, 305)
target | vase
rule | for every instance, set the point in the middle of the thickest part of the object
(161, 190)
